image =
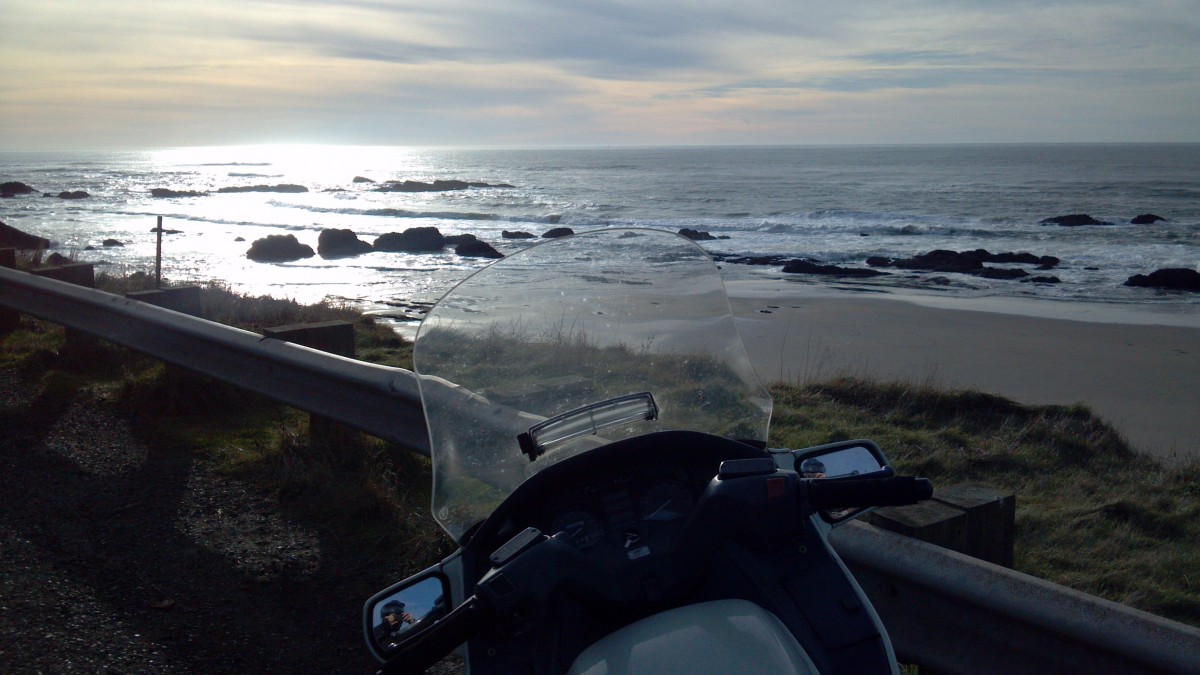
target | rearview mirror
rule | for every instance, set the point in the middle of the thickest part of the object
(846, 459)
(405, 610)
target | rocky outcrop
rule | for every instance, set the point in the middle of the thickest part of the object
(341, 244)
(279, 248)
(11, 237)
(362, 179)
(74, 194)
(1146, 219)
(14, 188)
(412, 240)
(517, 235)
(557, 232)
(968, 262)
(111, 243)
(468, 246)
(435, 186)
(282, 187)
(166, 193)
(1172, 278)
(698, 235)
(1072, 220)
(800, 266)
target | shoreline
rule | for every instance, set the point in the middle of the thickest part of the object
(1137, 367)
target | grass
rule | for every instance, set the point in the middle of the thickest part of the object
(1092, 514)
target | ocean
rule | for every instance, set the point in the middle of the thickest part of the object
(833, 205)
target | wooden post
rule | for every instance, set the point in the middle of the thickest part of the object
(158, 255)
(335, 337)
(976, 520)
(9, 318)
(79, 344)
(183, 299)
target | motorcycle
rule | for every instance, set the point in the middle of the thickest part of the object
(598, 440)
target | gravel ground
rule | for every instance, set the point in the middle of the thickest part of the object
(121, 558)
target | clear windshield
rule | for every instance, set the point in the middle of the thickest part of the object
(569, 336)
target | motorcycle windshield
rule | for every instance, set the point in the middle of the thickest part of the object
(572, 344)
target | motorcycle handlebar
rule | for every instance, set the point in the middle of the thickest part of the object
(420, 652)
(863, 492)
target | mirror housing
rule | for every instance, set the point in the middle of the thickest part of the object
(853, 459)
(404, 610)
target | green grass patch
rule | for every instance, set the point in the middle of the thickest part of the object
(1092, 513)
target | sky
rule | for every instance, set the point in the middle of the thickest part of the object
(517, 73)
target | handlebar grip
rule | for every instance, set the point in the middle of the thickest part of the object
(428, 647)
(862, 492)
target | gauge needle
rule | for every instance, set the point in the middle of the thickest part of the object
(656, 511)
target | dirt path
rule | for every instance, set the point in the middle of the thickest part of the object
(121, 558)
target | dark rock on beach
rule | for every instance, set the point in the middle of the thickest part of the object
(14, 188)
(1072, 220)
(11, 237)
(341, 244)
(166, 193)
(558, 232)
(517, 235)
(279, 248)
(696, 235)
(412, 240)
(282, 187)
(1146, 219)
(362, 179)
(1172, 278)
(967, 262)
(474, 248)
(768, 260)
(809, 267)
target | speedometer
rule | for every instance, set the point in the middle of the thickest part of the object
(666, 501)
(581, 526)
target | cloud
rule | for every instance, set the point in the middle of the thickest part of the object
(579, 72)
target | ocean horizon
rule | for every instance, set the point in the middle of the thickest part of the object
(831, 205)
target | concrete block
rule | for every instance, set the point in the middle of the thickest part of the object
(183, 299)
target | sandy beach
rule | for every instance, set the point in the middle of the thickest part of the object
(1138, 368)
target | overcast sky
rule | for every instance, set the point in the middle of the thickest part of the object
(143, 73)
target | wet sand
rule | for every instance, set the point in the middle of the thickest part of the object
(1137, 368)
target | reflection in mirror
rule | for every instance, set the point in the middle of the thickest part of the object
(853, 461)
(408, 611)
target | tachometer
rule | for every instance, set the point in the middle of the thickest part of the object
(581, 526)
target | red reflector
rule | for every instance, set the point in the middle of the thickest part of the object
(776, 487)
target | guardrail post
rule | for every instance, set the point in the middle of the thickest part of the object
(975, 520)
(335, 337)
(9, 319)
(183, 299)
(80, 274)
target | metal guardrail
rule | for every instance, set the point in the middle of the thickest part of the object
(378, 400)
(944, 611)
(950, 613)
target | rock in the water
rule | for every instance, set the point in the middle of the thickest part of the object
(111, 243)
(362, 179)
(435, 186)
(474, 248)
(74, 194)
(14, 188)
(341, 244)
(1173, 278)
(1146, 219)
(282, 187)
(1072, 220)
(279, 248)
(696, 235)
(57, 260)
(558, 232)
(1042, 280)
(809, 267)
(165, 193)
(517, 235)
(11, 237)
(412, 240)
